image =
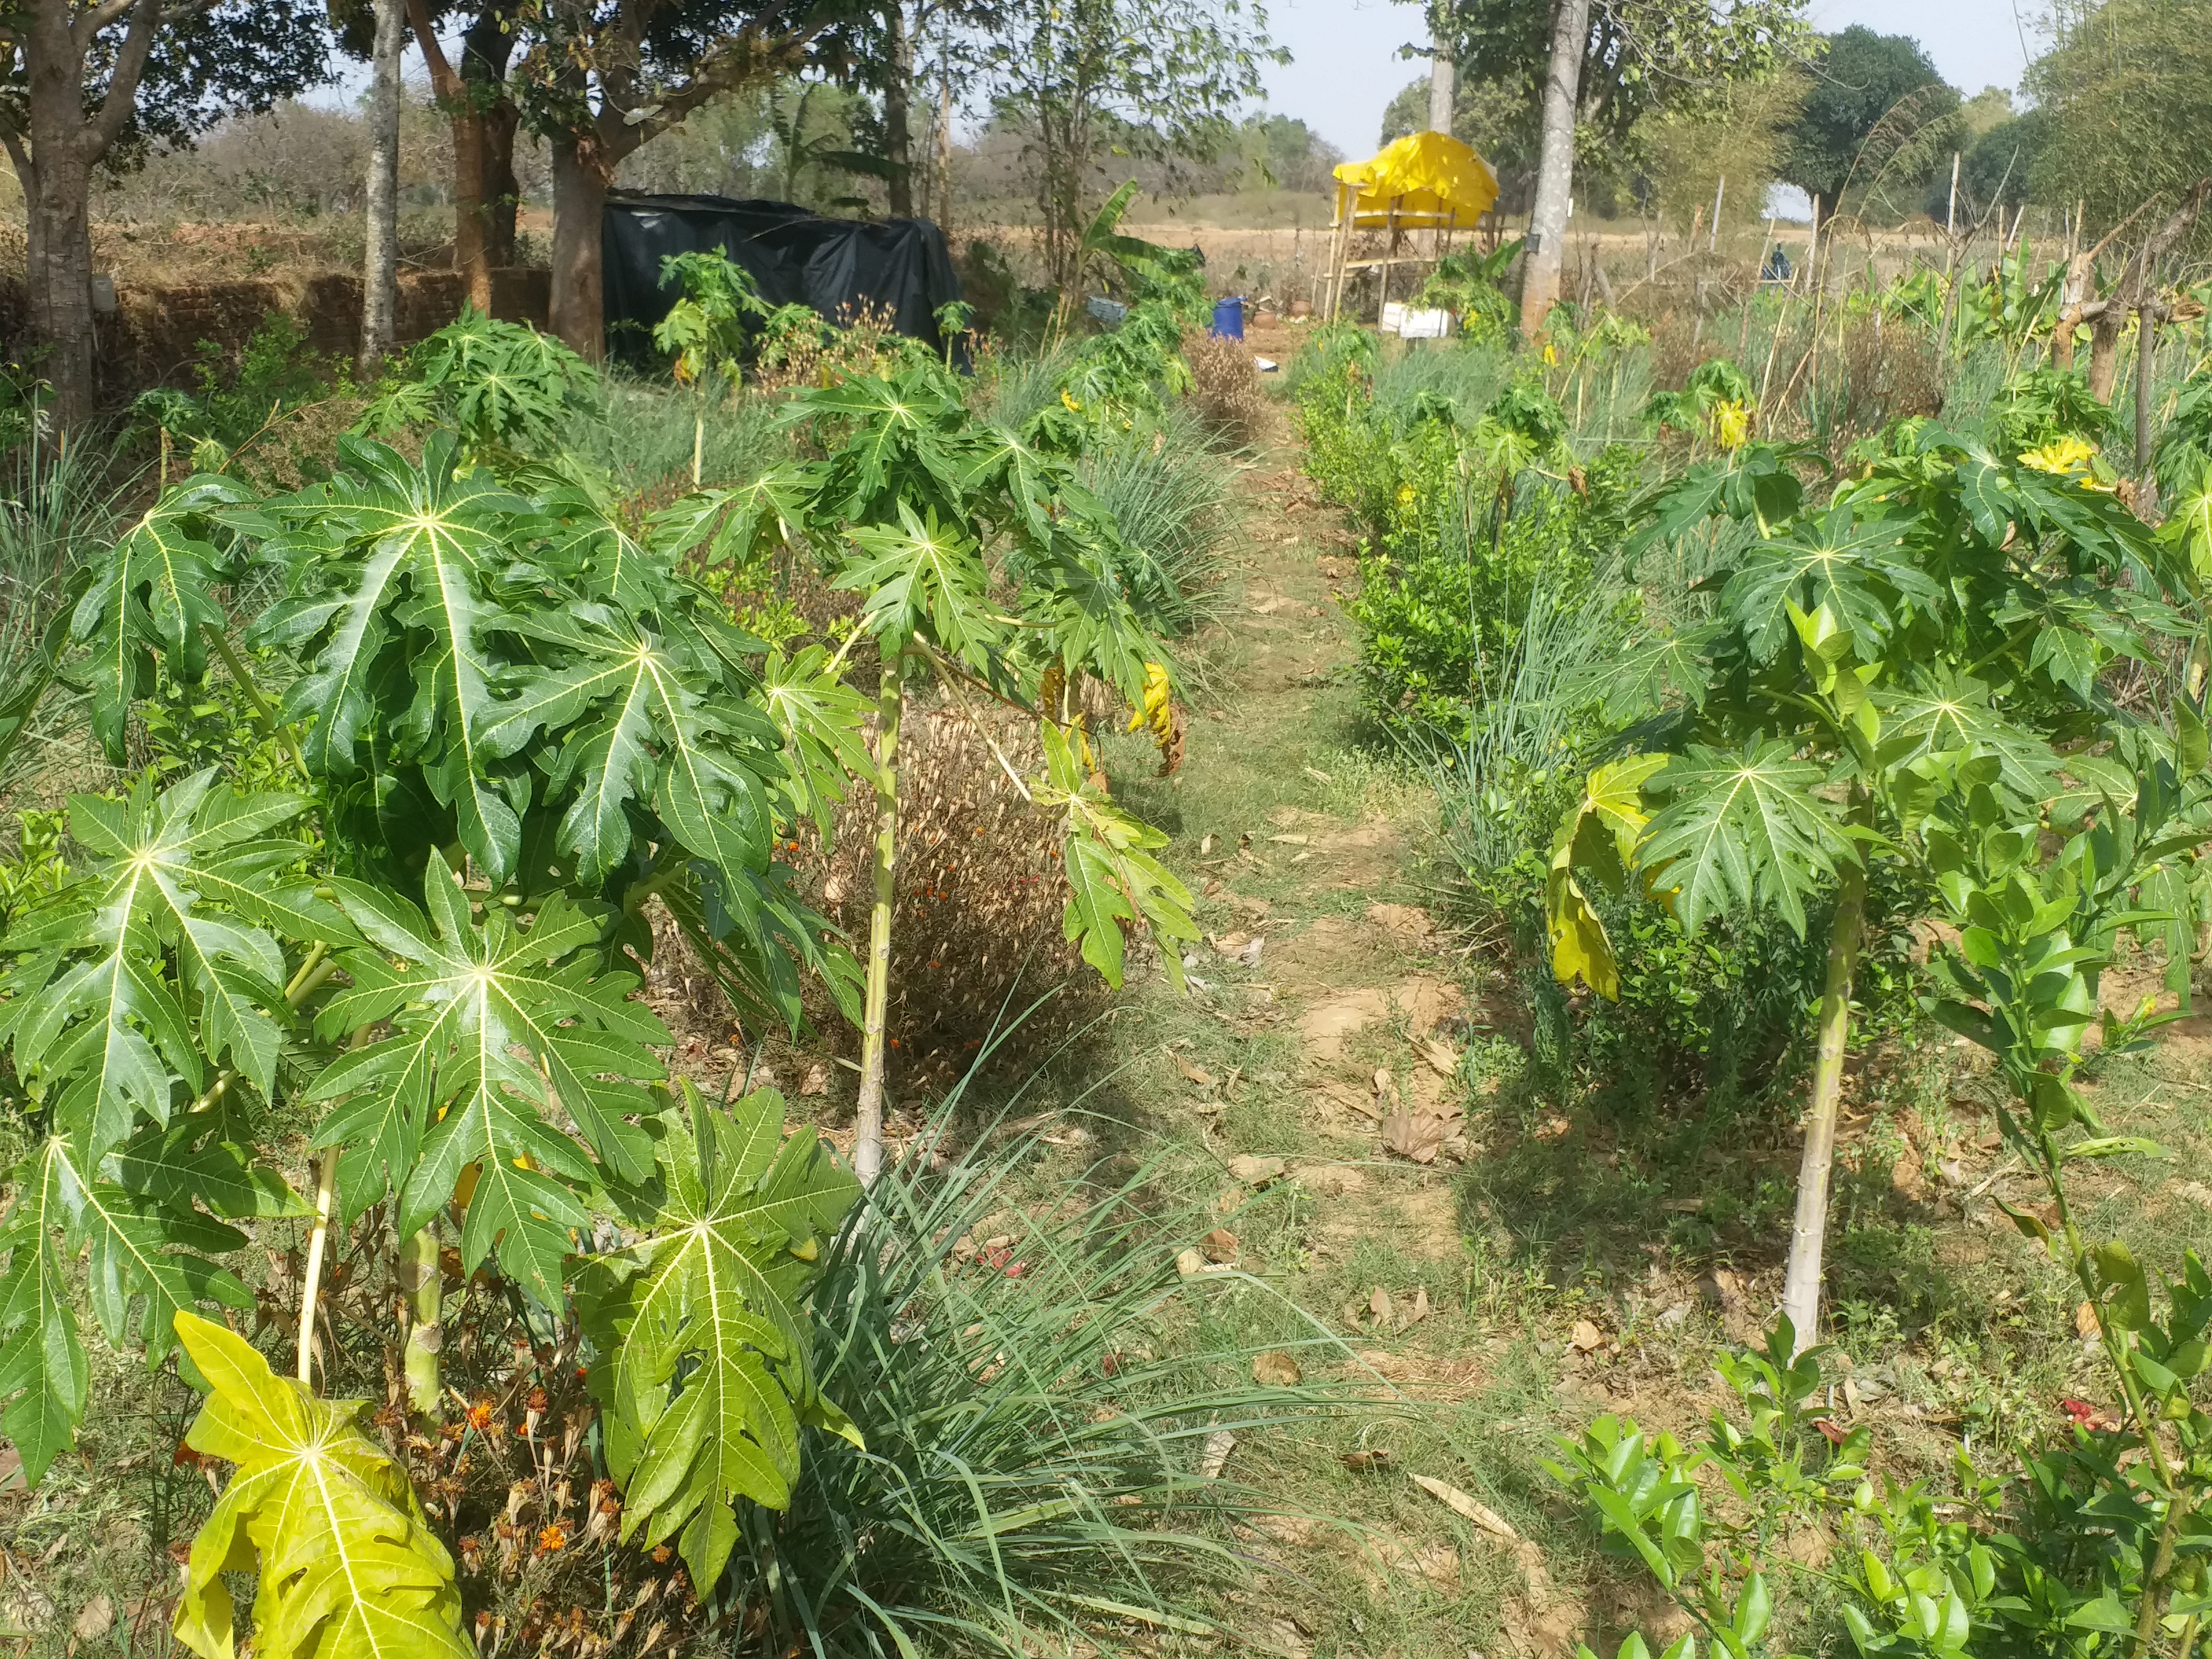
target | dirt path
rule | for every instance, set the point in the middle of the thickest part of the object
(1319, 1075)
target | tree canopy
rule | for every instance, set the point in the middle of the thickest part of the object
(1874, 107)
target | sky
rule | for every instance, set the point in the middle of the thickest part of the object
(1344, 66)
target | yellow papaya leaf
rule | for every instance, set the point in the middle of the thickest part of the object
(1580, 948)
(348, 1567)
(1596, 841)
(1157, 712)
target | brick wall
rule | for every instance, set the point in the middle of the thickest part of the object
(153, 335)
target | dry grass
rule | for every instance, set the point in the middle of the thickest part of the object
(1226, 387)
(976, 934)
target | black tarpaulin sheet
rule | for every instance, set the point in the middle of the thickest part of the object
(900, 266)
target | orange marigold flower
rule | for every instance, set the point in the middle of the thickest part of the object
(552, 1538)
(480, 1414)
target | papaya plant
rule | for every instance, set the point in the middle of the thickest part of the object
(704, 331)
(1954, 601)
(984, 563)
(2097, 1540)
(513, 723)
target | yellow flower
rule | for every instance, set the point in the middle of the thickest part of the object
(1405, 495)
(2062, 456)
(1551, 357)
(1068, 399)
(1731, 425)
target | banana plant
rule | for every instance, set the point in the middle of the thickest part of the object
(1956, 603)
(984, 564)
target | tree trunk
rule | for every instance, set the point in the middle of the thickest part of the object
(502, 191)
(379, 275)
(1443, 79)
(580, 197)
(2105, 347)
(898, 100)
(868, 1119)
(486, 50)
(483, 123)
(1801, 1285)
(2071, 295)
(1555, 168)
(945, 157)
(58, 269)
(2145, 366)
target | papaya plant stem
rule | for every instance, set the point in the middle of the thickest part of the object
(868, 1126)
(326, 1169)
(1801, 1284)
(698, 437)
(242, 677)
(419, 1282)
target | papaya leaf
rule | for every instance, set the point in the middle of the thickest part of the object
(348, 1566)
(703, 1372)
(393, 559)
(107, 1035)
(1743, 829)
(152, 591)
(447, 1090)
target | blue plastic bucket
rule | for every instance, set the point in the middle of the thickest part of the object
(1228, 318)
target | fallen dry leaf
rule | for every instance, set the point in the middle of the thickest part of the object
(1442, 1057)
(1417, 1135)
(1366, 1462)
(1453, 1498)
(1219, 1246)
(1291, 840)
(1197, 1074)
(1256, 1172)
(2086, 1323)
(816, 1080)
(1240, 947)
(1381, 1308)
(1386, 1086)
(1276, 1369)
(1586, 1337)
(1215, 1457)
(1419, 1310)
(1189, 1262)
(1351, 1099)
(95, 1619)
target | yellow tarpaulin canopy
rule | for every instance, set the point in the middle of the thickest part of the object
(1423, 181)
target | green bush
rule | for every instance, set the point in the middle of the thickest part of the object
(1441, 584)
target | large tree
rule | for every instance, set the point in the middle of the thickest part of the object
(473, 93)
(1156, 79)
(603, 77)
(89, 84)
(1874, 108)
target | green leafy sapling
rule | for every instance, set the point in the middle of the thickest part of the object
(984, 564)
(1953, 602)
(705, 330)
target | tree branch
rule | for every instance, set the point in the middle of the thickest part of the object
(739, 62)
(86, 27)
(443, 80)
(122, 97)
